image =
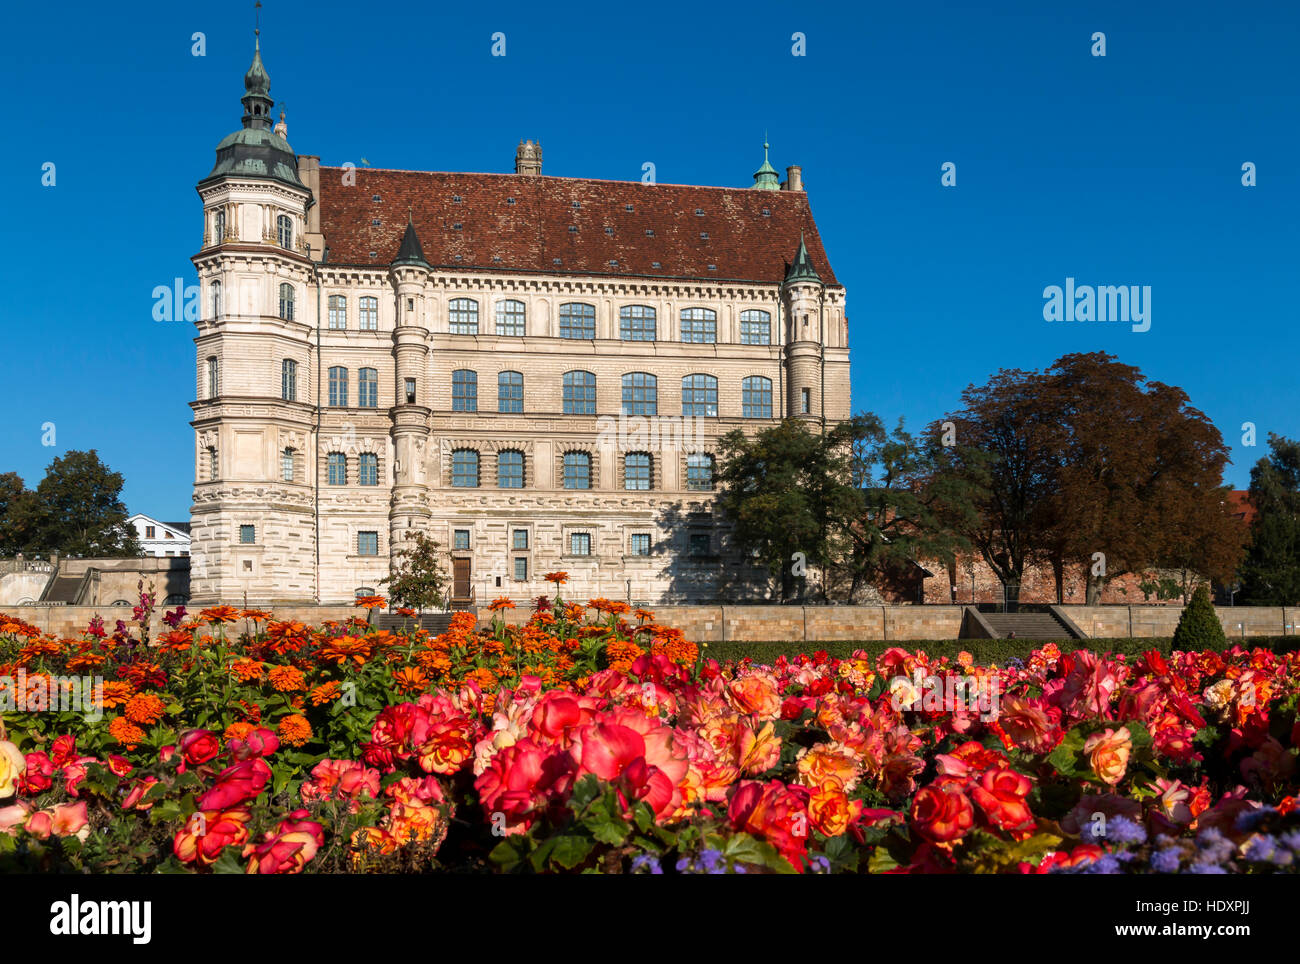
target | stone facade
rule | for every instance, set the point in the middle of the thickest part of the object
(346, 312)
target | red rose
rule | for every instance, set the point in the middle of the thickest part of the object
(236, 784)
(63, 751)
(206, 834)
(942, 814)
(199, 746)
(1001, 796)
(775, 812)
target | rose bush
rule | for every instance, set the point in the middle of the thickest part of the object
(593, 738)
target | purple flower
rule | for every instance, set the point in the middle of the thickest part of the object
(1165, 861)
(1105, 864)
(819, 864)
(1200, 867)
(646, 864)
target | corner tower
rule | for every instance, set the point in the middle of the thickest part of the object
(409, 508)
(254, 468)
(803, 294)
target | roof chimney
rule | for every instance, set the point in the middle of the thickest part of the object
(528, 158)
(794, 178)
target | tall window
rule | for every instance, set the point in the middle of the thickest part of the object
(577, 320)
(368, 388)
(218, 227)
(510, 392)
(577, 470)
(700, 395)
(636, 323)
(214, 291)
(699, 472)
(368, 469)
(369, 314)
(338, 312)
(510, 317)
(510, 470)
(755, 327)
(367, 543)
(700, 325)
(636, 471)
(464, 469)
(214, 467)
(579, 393)
(214, 377)
(640, 394)
(286, 301)
(464, 390)
(805, 401)
(521, 568)
(284, 228)
(338, 386)
(286, 465)
(338, 468)
(463, 315)
(756, 397)
(410, 391)
(580, 543)
(289, 380)
(519, 539)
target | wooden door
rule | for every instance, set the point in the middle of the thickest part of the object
(460, 581)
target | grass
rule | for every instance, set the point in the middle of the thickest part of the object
(985, 651)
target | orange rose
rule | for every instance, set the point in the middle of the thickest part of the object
(830, 811)
(756, 693)
(941, 813)
(1108, 754)
(826, 764)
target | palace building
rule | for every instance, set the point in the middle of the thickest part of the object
(534, 370)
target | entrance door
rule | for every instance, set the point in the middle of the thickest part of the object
(460, 583)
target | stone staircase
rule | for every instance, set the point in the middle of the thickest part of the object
(1028, 625)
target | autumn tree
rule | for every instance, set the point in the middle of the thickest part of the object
(1270, 575)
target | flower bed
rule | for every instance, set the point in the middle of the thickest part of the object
(592, 738)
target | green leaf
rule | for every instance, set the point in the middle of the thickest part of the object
(571, 850)
(228, 863)
(742, 848)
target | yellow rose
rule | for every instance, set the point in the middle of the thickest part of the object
(1108, 754)
(12, 766)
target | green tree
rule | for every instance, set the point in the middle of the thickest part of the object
(79, 509)
(417, 577)
(784, 490)
(1199, 626)
(18, 515)
(1270, 575)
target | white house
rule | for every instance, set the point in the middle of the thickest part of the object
(161, 538)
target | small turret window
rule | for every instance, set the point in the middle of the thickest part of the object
(286, 465)
(214, 377)
(215, 291)
(805, 400)
(286, 302)
(284, 228)
(218, 227)
(289, 380)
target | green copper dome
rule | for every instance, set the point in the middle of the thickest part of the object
(802, 269)
(255, 150)
(766, 178)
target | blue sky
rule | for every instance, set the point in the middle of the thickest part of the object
(1117, 170)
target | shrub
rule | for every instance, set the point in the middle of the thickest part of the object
(1199, 626)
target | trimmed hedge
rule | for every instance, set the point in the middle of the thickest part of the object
(985, 651)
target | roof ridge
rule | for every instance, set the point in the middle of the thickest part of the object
(558, 177)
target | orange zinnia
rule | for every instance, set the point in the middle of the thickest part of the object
(371, 602)
(219, 614)
(145, 709)
(559, 578)
(501, 602)
(294, 729)
(287, 679)
(325, 693)
(126, 733)
(410, 680)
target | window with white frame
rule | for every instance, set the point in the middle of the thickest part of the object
(519, 539)
(338, 312)
(286, 465)
(579, 543)
(699, 325)
(756, 397)
(368, 313)
(699, 396)
(289, 380)
(510, 317)
(284, 230)
(640, 394)
(338, 390)
(464, 390)
(286, 301)
(639, 544)
(755, 327)
(214, 290)
(462, 314)
(368, 388)
(636, 323)
(577, 320)
(214, 377)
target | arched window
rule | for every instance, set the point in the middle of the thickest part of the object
(214, 467)
(640, 394)
(363, 591)
(338, 312)
(218, 227)
(338, 468)
(510, 469)
(286, 301)
(510, 392)
(368, 319)
(368, 469)
(577, 320)
(636, 323)
(637, 470)
(284, 228)
(577, 470)
(368, 388)
(464, 390)
(699, 325)
(463, 315)
(510, 317)
(579, 393)
(699, 472)
(700, 395)
(756, 397)
(214, 290)
(289, 380)
(755, 327)
(286, 465)
(464, 469)
(214, 377)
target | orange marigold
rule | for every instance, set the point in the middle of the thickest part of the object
(246, 670)
(559, 578)
(145, 709)
(237, 731)
(294, 729)
(371, 602)
(219, 614)
(325, 693)
(286, 679)
(126, 733)
(116, 693)
(410, 680)
(501, 602)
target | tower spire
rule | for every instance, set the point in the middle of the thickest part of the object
(766, 178)
(257, 84)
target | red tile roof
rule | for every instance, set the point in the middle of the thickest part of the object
(606, 234)
(1240, 505)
